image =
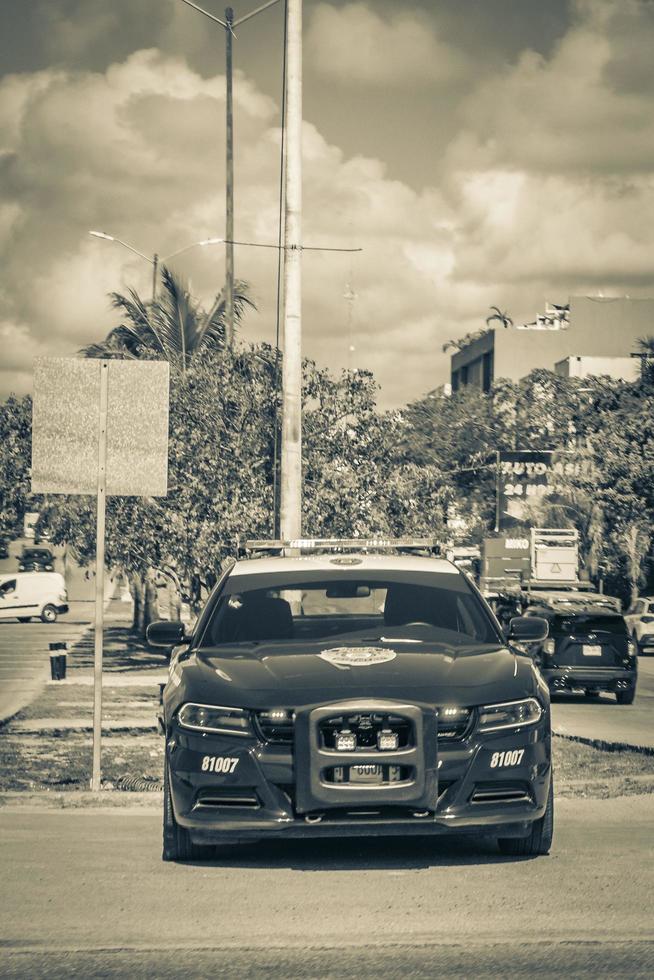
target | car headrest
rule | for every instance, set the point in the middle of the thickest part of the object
(260, 618)
(416, 603)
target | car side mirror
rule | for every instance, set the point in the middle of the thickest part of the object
(166, 634)
(528, 629)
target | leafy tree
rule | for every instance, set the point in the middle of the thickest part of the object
(15, 462)
(354, 482)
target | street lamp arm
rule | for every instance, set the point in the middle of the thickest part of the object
(119, 241)
(253, 13)
(205, 241)
(206, 13)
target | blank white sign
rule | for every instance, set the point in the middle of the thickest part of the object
(65, 426)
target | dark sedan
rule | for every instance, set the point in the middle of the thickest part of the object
(352, 694)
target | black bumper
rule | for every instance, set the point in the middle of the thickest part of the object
(591, 678)
(460, 789)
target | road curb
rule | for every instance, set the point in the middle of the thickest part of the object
(607, 746)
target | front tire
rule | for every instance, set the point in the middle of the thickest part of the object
(177, 843)
(625, 697)
(49, 614)
(539, 840)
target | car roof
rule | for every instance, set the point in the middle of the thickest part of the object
(335, 563)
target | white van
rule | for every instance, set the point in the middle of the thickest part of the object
(29, 594)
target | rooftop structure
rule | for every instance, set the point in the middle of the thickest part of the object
(593, 327)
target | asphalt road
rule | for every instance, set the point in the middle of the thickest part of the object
(602, 718)
(85, 894)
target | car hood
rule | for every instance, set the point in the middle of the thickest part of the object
(267, 674)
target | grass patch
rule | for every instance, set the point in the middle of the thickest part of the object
(38, 762)
(63, 762)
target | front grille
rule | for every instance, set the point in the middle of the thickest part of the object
(277, 726)
(454, 723)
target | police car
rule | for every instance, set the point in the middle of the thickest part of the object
(352, 688)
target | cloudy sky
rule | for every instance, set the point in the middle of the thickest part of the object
(479, 152)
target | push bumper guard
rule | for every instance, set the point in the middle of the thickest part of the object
(418, 788)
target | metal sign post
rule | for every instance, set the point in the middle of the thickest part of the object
(99, 578)
(100, 427)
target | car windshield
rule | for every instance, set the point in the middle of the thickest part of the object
(430, 609)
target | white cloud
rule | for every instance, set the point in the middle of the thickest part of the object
(568, 113)
(519, 215)
(354, 43)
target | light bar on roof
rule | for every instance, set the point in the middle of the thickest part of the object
(343, 544)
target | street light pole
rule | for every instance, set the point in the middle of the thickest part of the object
(291, 449)
(229, 182)
(228, 26)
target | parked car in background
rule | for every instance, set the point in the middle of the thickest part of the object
(640, 623)
(36, 560)
(4, 547)
(588, 649)
(33, 594)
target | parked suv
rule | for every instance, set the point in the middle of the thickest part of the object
(588, 650)
(640, 623)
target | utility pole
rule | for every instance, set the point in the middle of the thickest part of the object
(291, 454)
(229, 181)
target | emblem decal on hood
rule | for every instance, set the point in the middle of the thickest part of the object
(346, 657)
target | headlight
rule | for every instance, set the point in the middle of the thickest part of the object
(212, 718)
(511, 714)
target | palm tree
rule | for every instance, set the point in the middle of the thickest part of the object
(646, 355)
(459, 343)
(172, 327)
(498, 314)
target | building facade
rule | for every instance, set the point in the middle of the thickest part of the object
(606, 329)
(620, 368)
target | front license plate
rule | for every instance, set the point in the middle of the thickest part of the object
(366, 774)
(591, 650)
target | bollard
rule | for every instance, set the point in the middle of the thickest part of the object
(58, 662)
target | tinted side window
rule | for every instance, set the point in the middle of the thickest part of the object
(8, 587)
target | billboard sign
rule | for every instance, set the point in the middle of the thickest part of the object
(526, 476)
